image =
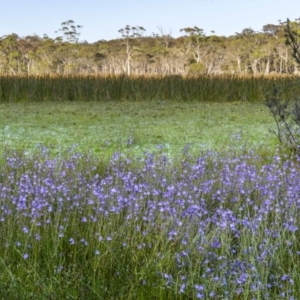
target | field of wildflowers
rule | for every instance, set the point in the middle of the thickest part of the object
(212, 221)
(199, 227)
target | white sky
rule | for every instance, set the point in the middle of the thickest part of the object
(103, 18)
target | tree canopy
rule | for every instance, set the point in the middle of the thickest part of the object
(246, 52)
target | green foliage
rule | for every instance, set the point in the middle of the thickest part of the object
(286, 109)
(292, 35)
(286, 113)
(195, 68)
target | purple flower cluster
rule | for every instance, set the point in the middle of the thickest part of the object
(231, 223)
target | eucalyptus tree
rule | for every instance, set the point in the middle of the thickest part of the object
(194, 42)
(278, 51)
(247, 49)
(215, 57)
(271, 30)
(10, 54)
(48, 57)
(27, 47)
(129, 35)
(165, 37)
(70, 31)
(235, 54)
(261, 54)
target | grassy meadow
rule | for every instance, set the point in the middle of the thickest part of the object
(134, 127)
(146, 188)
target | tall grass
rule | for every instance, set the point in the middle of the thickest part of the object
(209, 227)
(141, 88)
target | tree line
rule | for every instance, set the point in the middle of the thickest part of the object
(136, 53)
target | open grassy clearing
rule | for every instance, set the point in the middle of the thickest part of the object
(135, 127)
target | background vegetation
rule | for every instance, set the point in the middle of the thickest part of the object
(135, 52)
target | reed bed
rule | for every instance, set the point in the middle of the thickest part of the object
(143, 88)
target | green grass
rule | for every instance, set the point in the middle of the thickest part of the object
(135, 127)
